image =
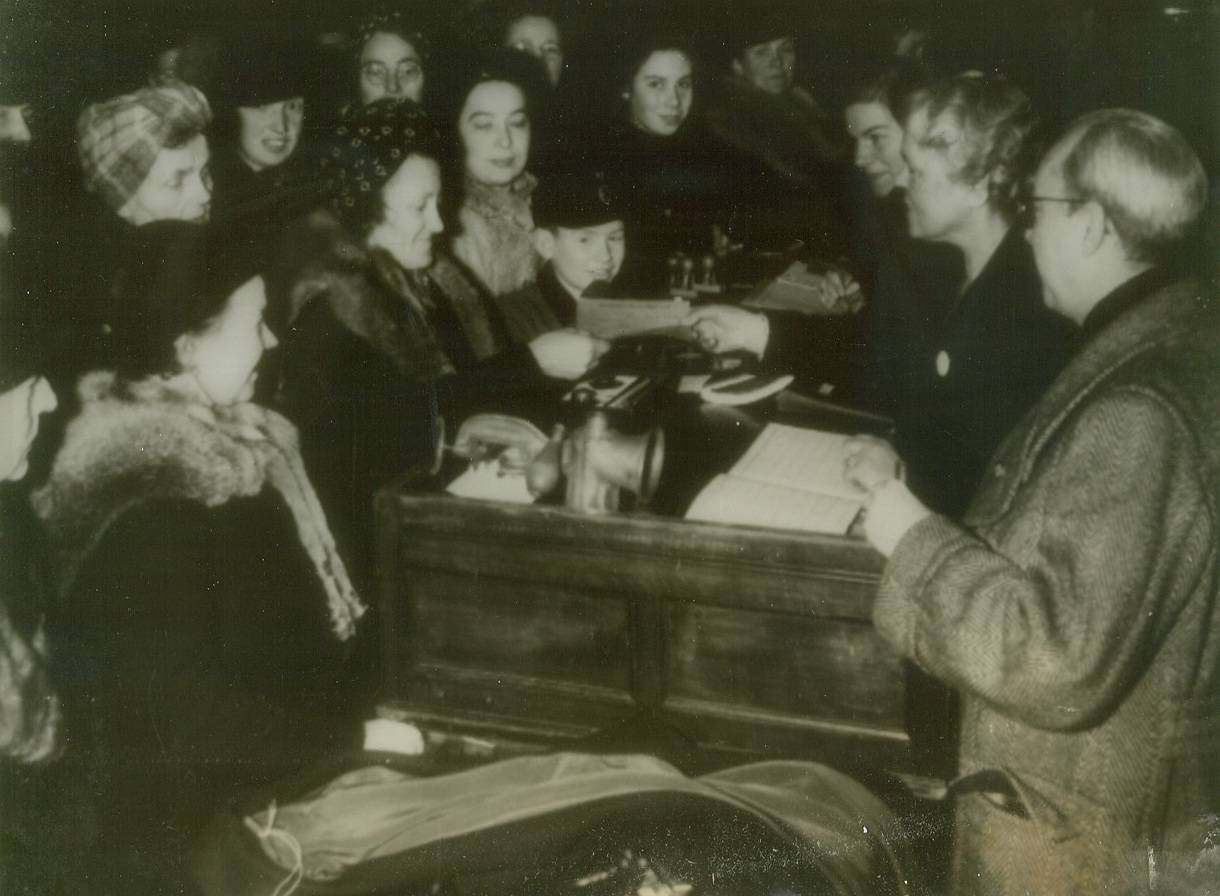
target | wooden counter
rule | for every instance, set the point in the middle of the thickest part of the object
(544, 625)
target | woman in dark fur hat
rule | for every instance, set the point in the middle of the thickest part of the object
(204, 613)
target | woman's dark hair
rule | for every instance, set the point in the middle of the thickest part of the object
(398, 23)
(893, 86)
(640, 49)
(368, 146)
(997, 141)
(495, 64)
(178, 278)
(499, 64)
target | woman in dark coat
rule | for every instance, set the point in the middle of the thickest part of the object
(385, 338)
(686, 191)
(204, 613)
(31, 730)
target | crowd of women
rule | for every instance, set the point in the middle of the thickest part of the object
(187, 574)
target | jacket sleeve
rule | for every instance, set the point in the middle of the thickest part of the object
(827, 354)
(1052, 619)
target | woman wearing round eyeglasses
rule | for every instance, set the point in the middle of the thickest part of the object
(391, 59)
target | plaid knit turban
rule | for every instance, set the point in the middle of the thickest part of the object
(119, 140)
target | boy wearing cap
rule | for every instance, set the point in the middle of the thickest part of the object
(581, 237)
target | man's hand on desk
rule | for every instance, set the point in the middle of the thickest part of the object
(873, 465)
(567, 354)
(724, 328)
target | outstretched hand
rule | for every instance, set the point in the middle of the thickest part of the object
(725, 328)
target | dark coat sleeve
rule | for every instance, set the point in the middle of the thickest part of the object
(196, 646)
(828, 355)
(364, 422)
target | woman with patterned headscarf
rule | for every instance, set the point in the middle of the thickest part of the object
(385, 337)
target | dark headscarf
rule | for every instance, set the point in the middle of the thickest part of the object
(369, 145)
(177, 278)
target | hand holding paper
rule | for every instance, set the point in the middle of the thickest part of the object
(724, 328)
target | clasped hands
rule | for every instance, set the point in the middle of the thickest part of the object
(728, 328)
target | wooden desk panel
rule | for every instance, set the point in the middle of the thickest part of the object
(534, 619)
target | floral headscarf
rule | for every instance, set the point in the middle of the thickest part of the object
(369, 144)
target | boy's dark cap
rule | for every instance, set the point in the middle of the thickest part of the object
(576, 200)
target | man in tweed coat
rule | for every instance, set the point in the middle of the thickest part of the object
(1077, 608)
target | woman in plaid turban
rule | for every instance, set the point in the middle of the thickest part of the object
(146, 155)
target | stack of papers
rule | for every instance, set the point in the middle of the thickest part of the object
(791, 478)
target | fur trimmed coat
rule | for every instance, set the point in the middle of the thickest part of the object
(373, 360)
(199, 635)
(1078, 612)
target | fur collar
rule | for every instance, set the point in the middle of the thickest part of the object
(510, 202)
(143, 441)
(371, 295)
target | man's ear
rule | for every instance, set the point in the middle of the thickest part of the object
(738, 69)
(184, 350)
(544, 243)
(1096, 226)
(980, 192)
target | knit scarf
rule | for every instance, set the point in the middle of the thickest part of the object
(496, 238)
(135, 442)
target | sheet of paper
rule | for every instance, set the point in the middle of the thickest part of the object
(609, 318)
(797, 289)
(798, 458)
(750, 503)
(485, 481)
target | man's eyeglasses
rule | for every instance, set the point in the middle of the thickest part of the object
(1029, 205)
(546, 51)
(378, 74)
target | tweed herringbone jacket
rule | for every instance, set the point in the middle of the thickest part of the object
(1078, 611)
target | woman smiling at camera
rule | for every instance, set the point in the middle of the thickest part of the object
(261, 169)
(385, 336)
(678, 181)
(204, 613)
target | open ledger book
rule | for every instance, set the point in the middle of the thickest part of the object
(790, 478)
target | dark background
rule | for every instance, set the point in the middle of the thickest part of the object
(1069, 55)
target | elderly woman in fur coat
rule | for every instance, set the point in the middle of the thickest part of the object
(386, 337)
(204, 613)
